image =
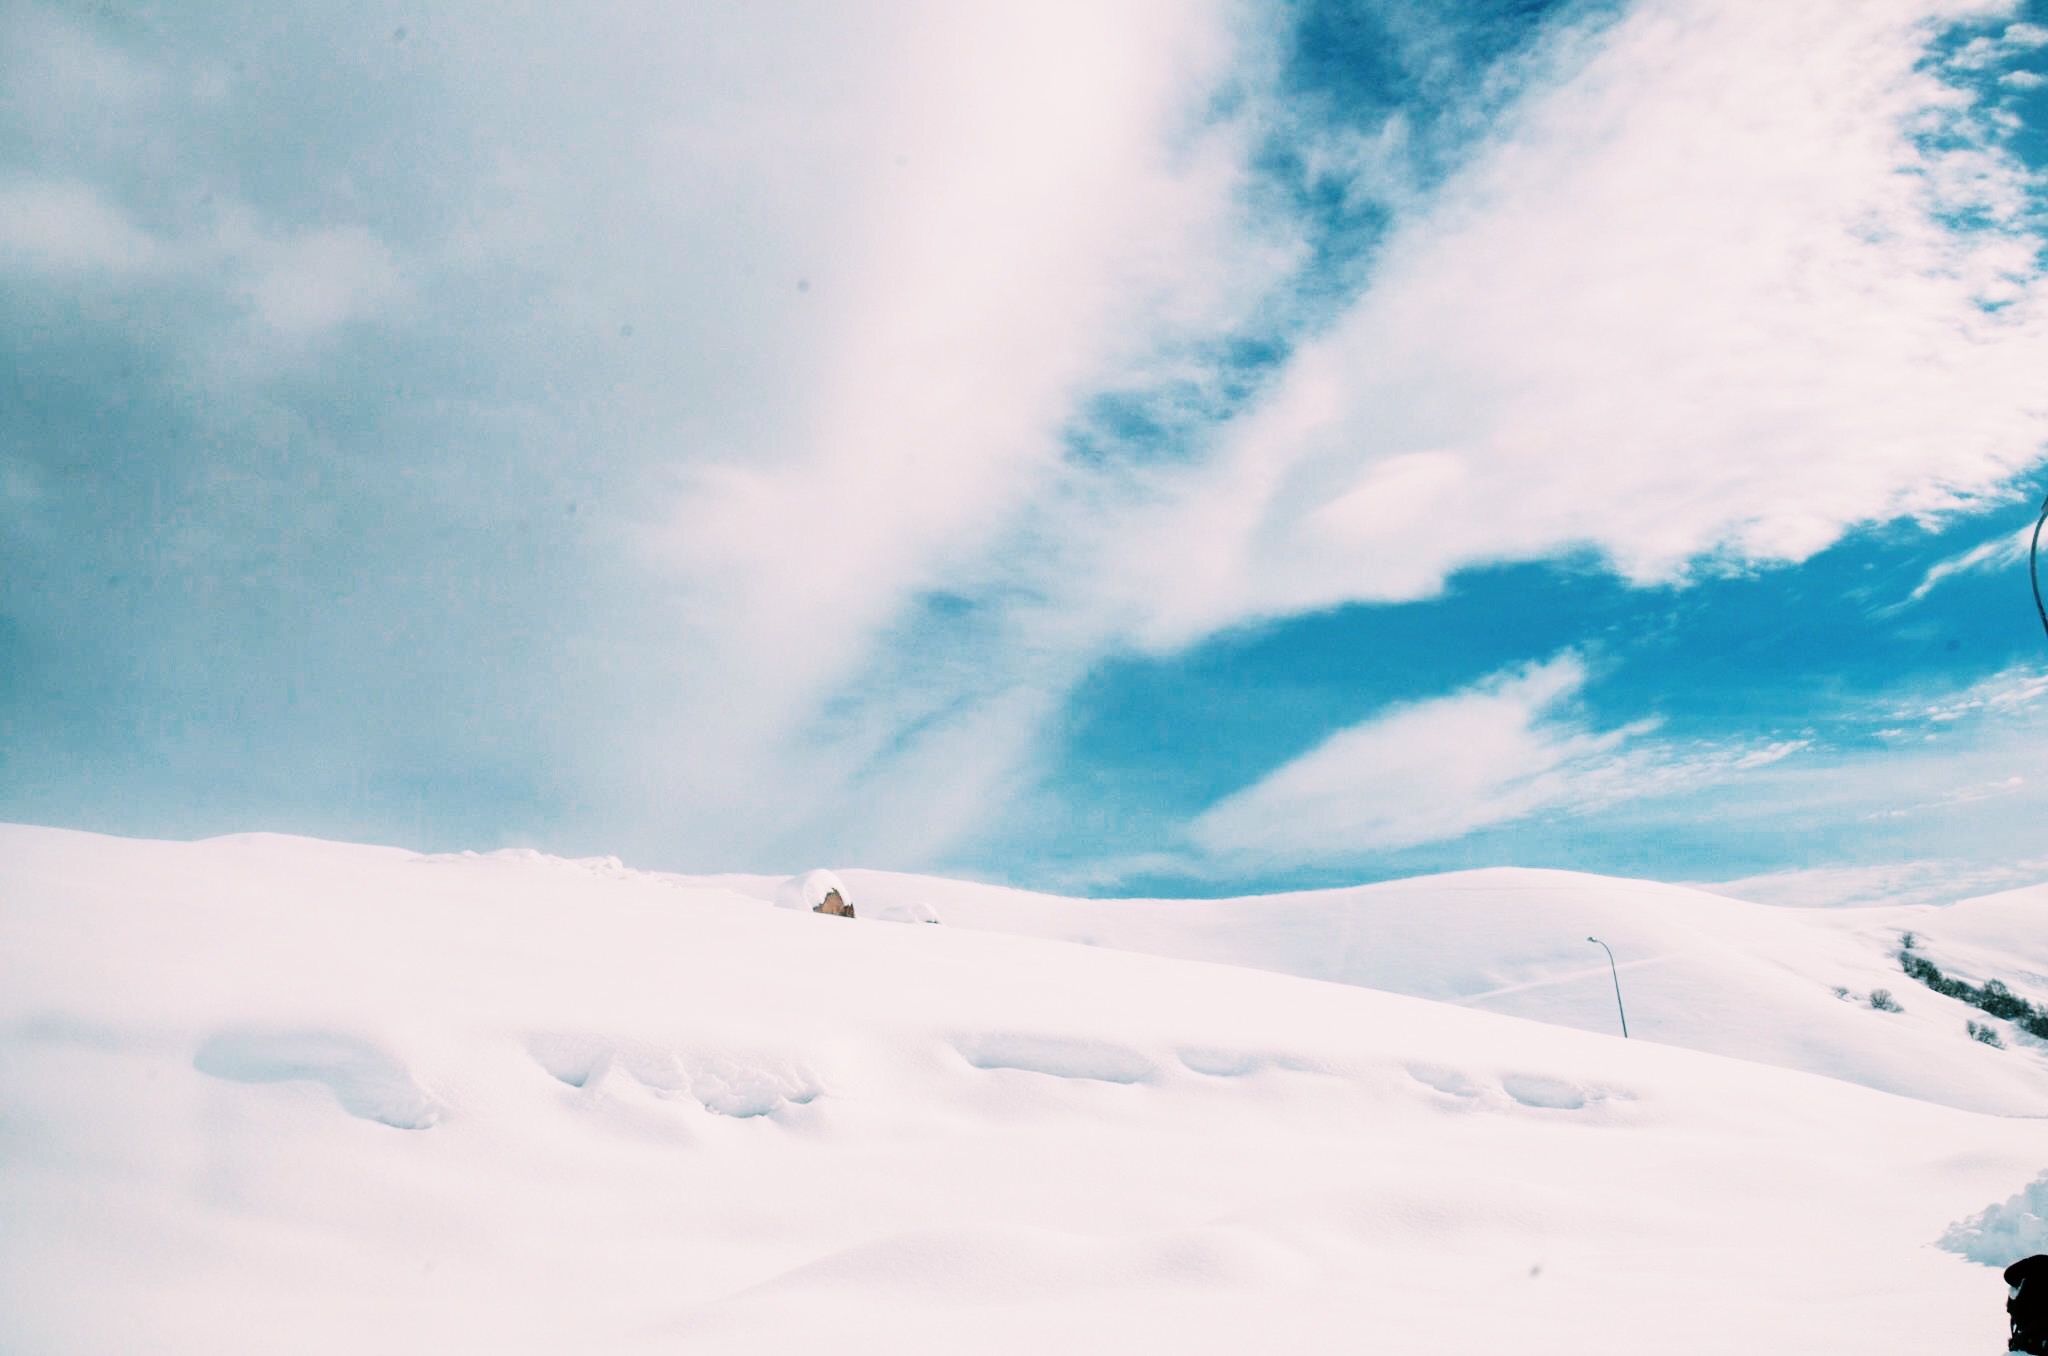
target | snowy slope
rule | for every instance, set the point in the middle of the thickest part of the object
(267, 1094)
(1696, 969)
(2001, 936)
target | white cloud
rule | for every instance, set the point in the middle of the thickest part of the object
(64, 227)
(68, 84)
(1695, 299)
(1424, 772)
(1961, 795)
(1999, 553)
(1698, 306)
(113, 112)
(1502, 750)
(296, 284)
(1513, 748)
(1017, 250)
(305, 284)
(1980, 52)
(1432, 770)
(811, 295)
(2008, 692)
(1956, 781)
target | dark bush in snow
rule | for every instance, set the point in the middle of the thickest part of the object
(2000, 1001)
(1994, 997)
(1882, 1000)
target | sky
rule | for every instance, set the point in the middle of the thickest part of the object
(1169, 446)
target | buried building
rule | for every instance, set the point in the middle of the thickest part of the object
(818, 891)
(823, 892)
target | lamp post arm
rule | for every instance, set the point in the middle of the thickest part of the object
(1615, 971)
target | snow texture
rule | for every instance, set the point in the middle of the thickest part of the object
(2003, 1233)
(366, 1080)
(266, 1093)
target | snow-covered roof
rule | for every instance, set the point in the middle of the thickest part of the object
(808, 891)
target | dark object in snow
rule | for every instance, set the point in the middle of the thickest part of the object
(1994, 997)
(818, 891)
(2027, 1304)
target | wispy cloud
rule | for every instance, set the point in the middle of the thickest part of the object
(1428, 771)
(292, 284)
(2006, 693)
(714, 437)
(2000, 553)
(66, 228)
(1511, 747)
(791, 310)
(1885, 777)
(1923, 774)
(1703, 304)
(1017, 257)
(1659, 316)
(307, 284)
(1988, 50)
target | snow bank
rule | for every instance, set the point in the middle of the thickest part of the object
(2001, 1234)
(265, 1091)
(1696, 969)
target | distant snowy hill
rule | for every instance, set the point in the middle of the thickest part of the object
(266, 1094)
(1754, 981)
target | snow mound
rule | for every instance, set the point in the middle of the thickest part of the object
(738, 1084)
(365, 1079)
(514, 1104)
(2001, 1234)
(1769, 984)
(910, 911)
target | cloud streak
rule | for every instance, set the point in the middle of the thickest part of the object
(1514, 747)
(728, 436)
(1022, 255)
(1701, 304)
(1424, 772)
(1901, 775)
(66, 227)
(2000, 553)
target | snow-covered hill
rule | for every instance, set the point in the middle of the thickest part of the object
(1776, 985)
(268, 1094)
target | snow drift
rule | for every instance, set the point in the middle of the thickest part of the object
(268, 1093)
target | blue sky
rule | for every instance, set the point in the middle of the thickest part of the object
(1186, 446)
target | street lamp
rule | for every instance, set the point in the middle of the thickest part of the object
(1612, 970)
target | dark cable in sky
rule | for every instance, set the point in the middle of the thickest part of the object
(2034, 564)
